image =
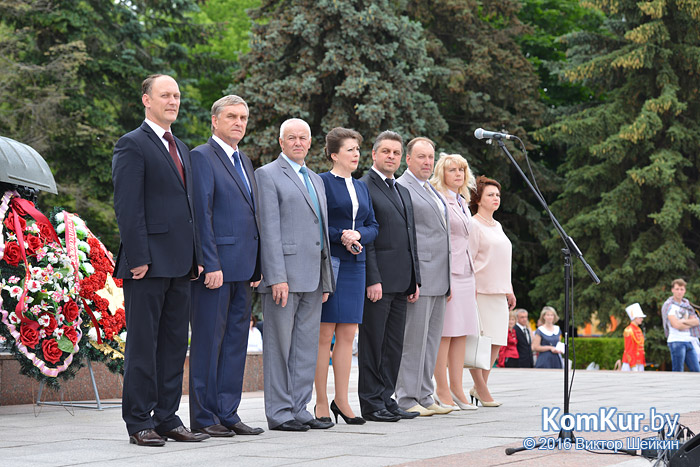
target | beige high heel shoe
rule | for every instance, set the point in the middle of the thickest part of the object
(475, 395)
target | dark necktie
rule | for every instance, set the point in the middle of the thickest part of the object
(314, 199)
(172, 149)
(394, 190)
(459, 201)
(239, 169)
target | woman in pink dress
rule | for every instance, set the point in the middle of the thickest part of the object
(452, 179)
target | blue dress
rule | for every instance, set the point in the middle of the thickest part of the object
(548, 359)
(347, 303)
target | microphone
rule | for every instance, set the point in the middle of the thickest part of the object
(480, 133)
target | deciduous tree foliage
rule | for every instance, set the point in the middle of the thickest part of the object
(335, 63)
(70, 78)
(631, 196)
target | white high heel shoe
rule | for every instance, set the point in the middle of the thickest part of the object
(445, 406)
(462, 405)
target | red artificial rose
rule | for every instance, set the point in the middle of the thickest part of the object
(16, 206)
(34, 243)
(10, 224)
(51, 327)
(51, 351)
(70, 333)
(70, 311)
(13, 254)
(47, 232)
(28, 335)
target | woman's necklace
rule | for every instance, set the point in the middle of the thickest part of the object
(488, 221)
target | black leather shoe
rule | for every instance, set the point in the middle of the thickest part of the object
(403, 414)
(316, 424)
(382, 415)
(291, 425)
(182, 434)
(147, 437)
(215, 431)
(241, 428)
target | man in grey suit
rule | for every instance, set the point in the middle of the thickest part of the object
(297, 278)
(424, 318)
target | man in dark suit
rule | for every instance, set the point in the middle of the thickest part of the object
(158, 255)
(225, 196)
(524, 335)
(393, 277)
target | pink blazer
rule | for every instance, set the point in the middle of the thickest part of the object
(460, 226)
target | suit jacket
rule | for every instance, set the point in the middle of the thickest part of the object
(340, 215)
(433, 237)
(154, 208)
(289, 230)
(524, 349)
(227, 220)
(392, 259)
(460, 226)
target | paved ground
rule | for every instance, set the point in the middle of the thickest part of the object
(31, 435)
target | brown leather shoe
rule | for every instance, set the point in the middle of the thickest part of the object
(241, 428)
(146, 438)
(215, 431)
(183, 434)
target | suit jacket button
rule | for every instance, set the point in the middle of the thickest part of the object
(318, 243)
(189, 220)
(256, 237)
(315, 221)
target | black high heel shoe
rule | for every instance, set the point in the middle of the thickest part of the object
(323, 419)
(350, 421)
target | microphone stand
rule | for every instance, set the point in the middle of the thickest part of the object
(570, 248)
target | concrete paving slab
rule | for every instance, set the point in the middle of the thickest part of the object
(54, 436)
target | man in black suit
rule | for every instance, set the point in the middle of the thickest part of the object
(393, 278)
(524, 335)
(158, 254)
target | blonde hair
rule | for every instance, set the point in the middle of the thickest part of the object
(545, 309)
(438, 178)
(513, 314)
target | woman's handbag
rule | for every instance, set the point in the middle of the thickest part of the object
(477, 353)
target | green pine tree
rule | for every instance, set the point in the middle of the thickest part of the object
(631, 196)
(334, 63)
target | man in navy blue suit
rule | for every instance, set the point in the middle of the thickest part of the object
(225, 197)
(158, 254)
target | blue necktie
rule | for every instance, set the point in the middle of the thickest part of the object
(314, 199)
(239, 169)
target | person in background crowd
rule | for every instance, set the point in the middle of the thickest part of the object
(351, 224)
(424, 318)
(492, 253)
(508, 355)
(524, 335)
(633, 356)
(546, 338)
(393, 278)
(453, 179)
(679, 318)
(255, 339)
(297, 278)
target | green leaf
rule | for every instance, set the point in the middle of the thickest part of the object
(65, 344)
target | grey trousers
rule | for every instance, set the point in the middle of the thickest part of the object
(420, 347)
(290, 349)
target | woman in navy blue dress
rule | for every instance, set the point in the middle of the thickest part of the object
(351, 225)
(546, 338)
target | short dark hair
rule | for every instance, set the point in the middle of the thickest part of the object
(148, 83)
(387, 134)
(481, 183)
(335, 138)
